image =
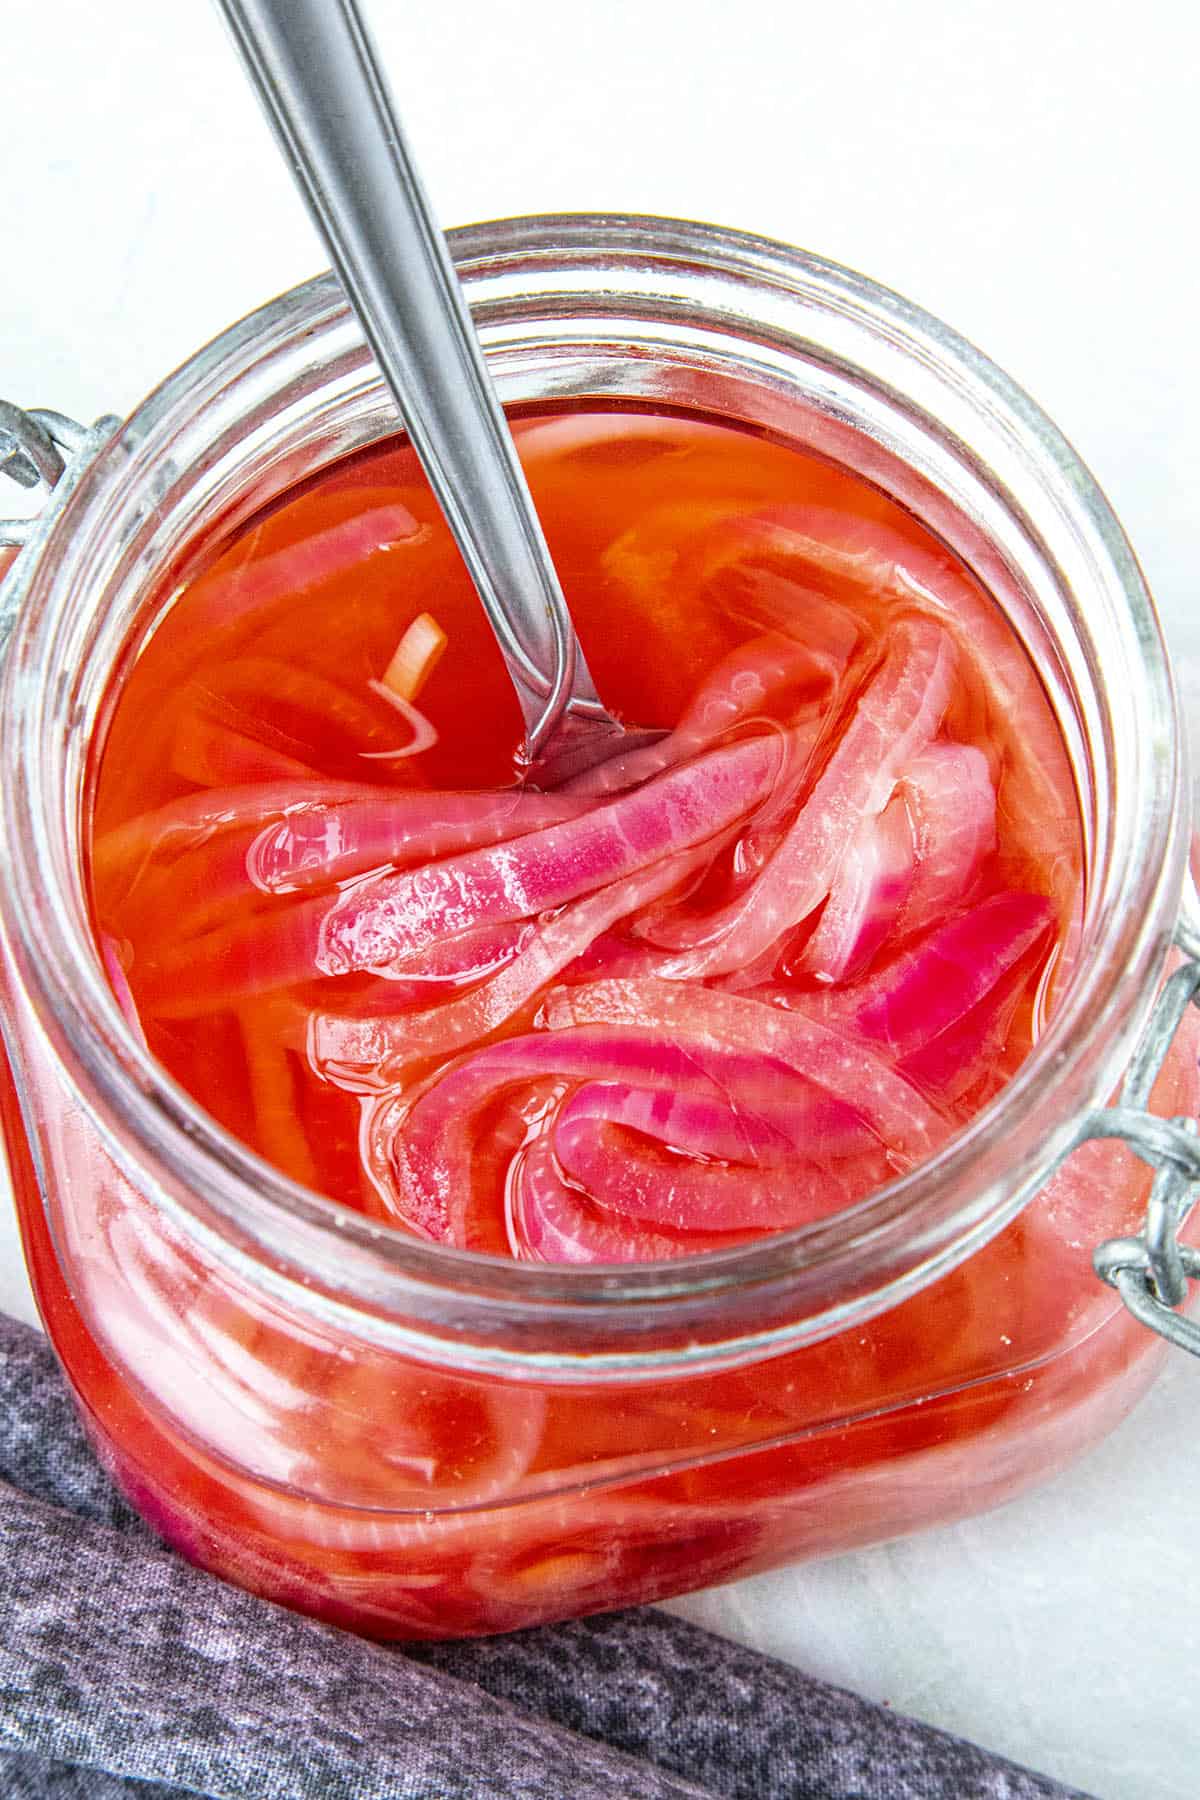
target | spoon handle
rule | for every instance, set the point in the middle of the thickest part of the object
(324, 93)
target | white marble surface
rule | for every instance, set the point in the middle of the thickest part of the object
(1026, 171)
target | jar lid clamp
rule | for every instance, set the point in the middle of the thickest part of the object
(48, 450)
(1151, 1271)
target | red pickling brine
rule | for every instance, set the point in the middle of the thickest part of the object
(719, 987)
(723, 984)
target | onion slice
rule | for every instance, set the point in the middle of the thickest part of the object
(382, 921)
(415, 657)
(895, 717)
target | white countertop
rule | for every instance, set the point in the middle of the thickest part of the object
(1029, 173)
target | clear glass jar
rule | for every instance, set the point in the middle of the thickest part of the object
(412, 1440)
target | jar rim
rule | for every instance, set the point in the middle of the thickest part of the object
(897, 1238)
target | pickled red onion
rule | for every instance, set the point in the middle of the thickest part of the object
(534, 995)
(873, 881)
(381, 921)
(929, 989)
(952, 806)
(417, 1145)
(843, 1063)
(342, 1048)
(895, 717)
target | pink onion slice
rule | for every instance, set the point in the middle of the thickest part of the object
(757, 1114)
(839, 550)
(234, 589)
(750, 679)
(196, 818)
(310, 846)
(459, 961)
(764, 560)
(346, 1051)
(613, 954)
(424, 733)
(952, 805)
(896, 715)
(759, 1184)
(629, 1054)
(763, 831)
(270, 1082)
(550, 1221)
(837, 1060)
(969, 1053)
(643, 1113)
(442, 973)
(786, 603)
(418, 1146)
(381, 921)
(397, 828)
(282, 947)
(931, 987)
(868, 893)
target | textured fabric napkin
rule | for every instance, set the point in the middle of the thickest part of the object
(124, 1672)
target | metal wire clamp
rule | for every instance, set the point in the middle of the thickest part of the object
(1153, 1270)
(40, 449)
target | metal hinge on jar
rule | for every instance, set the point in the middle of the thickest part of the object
(1153, 1270)
(48, 451)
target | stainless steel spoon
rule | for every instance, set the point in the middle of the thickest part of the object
(324, 93)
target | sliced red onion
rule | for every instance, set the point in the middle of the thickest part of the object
(763, 565)
(316, 848)
(424, 732)
(610, 955)
(952, 805)
(311, 846)
(759, 838)
(381, 921)
(837, 1060)
(343, 1050)
(895, 717)
(758, 1116)
(930, 988)
(649, 1115)
(469, 957)
(233, 590)
(419, 1146)
(748, 681)
(970, 1051)
(842, 551)
(600, 1141)
(868, 893)
(279, 947)
(550, 1221)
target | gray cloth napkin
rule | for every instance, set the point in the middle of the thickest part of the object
(126, 1673)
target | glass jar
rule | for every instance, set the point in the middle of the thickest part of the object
(412, 1440)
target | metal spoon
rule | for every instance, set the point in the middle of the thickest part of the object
(324, 93)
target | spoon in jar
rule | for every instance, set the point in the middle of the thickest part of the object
(325, 96)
